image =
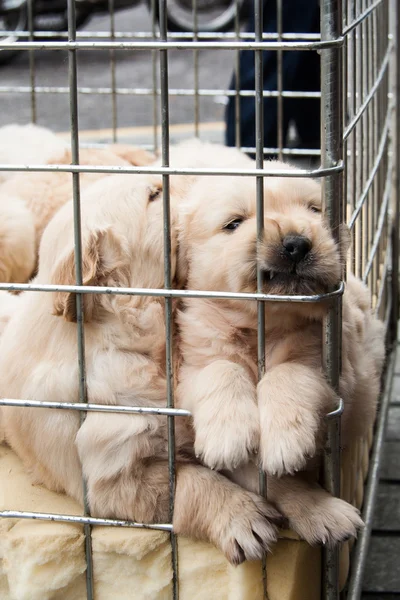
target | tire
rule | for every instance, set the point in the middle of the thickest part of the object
(12, 21)
(57, 22)
(180, 15)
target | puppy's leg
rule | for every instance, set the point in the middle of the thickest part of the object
(44, 441)
(108, 444)
(207, 507)
(122, 483)
(309, 510)
(222, 399)
(312, 512)
(210, 507)
(292, 400)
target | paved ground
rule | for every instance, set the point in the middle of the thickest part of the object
(382, 573)
(133, 70)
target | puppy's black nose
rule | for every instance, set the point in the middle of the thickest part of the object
(296, 247)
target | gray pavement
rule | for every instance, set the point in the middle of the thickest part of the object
(382, 573)
(133, 71)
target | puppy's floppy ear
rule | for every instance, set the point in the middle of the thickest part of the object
(104, 262)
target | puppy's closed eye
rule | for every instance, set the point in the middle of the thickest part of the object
(154, 193)
(234, 224)
(314, 209)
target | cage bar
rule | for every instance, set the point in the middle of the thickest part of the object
(170, 44)
(395, 233)
(73, 80)
(279, 65)
(259, 136)
(168, 293)
(237, 92)
(32, 70)
(264, 172)
(113, 73)
(361, 549)
(196, 107)
(331, 155)
(168, 285)
(86, 521)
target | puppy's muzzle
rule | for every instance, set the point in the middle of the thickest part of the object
(296, 247)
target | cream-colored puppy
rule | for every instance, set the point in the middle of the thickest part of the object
(29, 200)
(122, 456)
(282, 419)
(194, 153)
(28, 145)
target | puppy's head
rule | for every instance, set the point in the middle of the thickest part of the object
(297, 253)
(122, 243)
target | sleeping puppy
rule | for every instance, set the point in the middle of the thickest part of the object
(28, 144)
(281, 418)
(28, 201)
(123, 457)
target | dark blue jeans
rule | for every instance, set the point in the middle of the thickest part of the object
(301, 72)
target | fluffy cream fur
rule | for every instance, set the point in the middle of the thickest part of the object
(28, 145)
(278, 423)
(8, 305)
(17, 240)
(124, 457)
(29, 200)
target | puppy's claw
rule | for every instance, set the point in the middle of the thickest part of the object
(239, 556)
(322, 519)
(218, 455)
(251, 529)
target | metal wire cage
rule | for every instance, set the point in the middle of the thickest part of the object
(358, 164)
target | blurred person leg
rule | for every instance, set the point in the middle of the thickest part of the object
(301, 72)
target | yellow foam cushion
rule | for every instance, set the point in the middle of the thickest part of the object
(45, 560)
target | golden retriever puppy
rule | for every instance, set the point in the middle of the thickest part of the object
(194, 153)
(29, 200)
(28, 144)
(279, 422)
(17, 240)
(122, 456)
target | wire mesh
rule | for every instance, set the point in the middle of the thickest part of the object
(357, 163)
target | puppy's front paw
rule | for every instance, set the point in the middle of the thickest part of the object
(227, 440)
(325, 520)
(287, 441)
(250, 529)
